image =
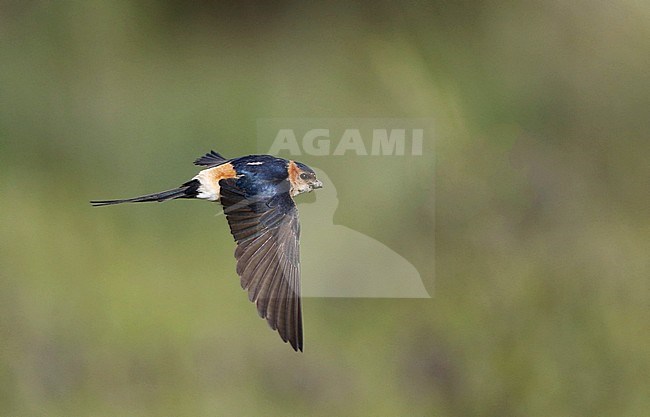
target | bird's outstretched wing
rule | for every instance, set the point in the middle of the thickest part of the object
(210, 159)
(266, 230)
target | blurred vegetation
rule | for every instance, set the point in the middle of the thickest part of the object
(540, 295)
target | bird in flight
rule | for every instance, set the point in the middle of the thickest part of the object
(256, 192)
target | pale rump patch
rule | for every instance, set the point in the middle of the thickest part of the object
(223, 171)
(209, 179)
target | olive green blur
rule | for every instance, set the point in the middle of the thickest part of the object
(528, 220)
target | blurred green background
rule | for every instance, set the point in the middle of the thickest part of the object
(540, 297)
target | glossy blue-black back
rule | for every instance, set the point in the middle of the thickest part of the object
(262, 174)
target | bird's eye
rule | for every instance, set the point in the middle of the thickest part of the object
(304, 176)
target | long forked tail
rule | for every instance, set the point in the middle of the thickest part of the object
(187, 190)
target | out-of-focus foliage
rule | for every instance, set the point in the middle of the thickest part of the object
(540, 298)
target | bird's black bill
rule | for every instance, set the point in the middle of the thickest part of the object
(187, 190)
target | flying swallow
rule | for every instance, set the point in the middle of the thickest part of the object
(256, 192)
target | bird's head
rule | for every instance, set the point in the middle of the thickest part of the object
(302, 178)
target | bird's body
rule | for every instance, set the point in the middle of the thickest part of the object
(256, 192)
